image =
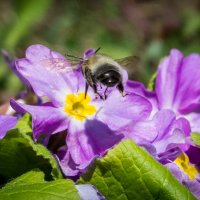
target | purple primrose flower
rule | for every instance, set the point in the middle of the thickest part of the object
(176, 107)
(93, 125)
(177, 86)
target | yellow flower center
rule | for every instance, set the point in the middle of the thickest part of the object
(185, 166)
(79, 106)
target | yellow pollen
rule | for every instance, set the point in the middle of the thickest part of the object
(185, 166)
(79, 106)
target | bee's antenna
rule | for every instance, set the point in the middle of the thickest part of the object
(67, 55)
(75, 60)
(97, 49)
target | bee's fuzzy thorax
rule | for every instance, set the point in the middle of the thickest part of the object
(98, 60)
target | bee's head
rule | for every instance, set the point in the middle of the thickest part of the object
(108, 75)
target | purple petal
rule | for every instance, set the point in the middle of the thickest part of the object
(45, 82)
(176, 135)
(170, 154)
(12, 66)
(89, 192)
(88, 53)
(167, 135)
(170, 141)
(194, 119)
(120, 111)
(86, 142)
(175, 76)
(187, 93)
(154, 129)
(168, 78)
(183, 124)
(67, 165)
(138, 88)
(6, 123)
(38, 52)
(45, 119)
(194, 187)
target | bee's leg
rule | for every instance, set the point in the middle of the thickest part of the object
(89, 82)
(86, 89)
(94, 87)
(121, 89)
(95, 91)
(104, 94)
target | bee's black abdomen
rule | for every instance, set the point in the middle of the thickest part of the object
(108, 75)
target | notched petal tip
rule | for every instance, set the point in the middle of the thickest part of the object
(176, 52)
(89, 192)
(17, 106)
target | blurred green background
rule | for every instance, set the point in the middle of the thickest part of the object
(148, 29)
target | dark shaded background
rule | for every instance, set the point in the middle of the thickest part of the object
(148, 29)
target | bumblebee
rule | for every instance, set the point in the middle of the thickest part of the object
(100, 68)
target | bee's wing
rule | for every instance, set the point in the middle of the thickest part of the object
(58, 65)
(129, 61)
(131, 64)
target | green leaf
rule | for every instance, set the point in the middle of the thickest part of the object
(196, 138)
(129, 172)
(34, 176)
(29, 15)
(19, 154)
(151, 84)
(32, 186)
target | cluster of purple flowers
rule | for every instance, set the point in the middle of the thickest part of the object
(161, 121)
